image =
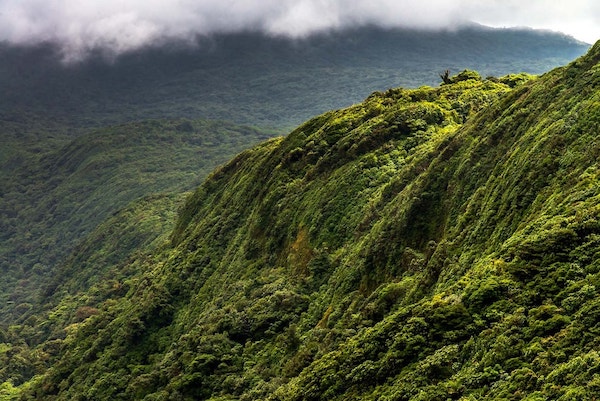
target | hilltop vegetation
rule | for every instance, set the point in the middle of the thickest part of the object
(431, 243)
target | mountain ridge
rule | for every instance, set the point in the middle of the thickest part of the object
(426, 243)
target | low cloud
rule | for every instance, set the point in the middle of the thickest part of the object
(122, 25)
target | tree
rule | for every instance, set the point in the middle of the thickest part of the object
(446, 77)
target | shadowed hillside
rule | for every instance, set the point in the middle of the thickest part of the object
(55, 191)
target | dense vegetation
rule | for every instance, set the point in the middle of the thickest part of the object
(56, 191)
(63, 170)
(95, 272)
(249, 78)
(431, 243)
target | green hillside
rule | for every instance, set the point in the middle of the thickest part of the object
(426, 244)
(81, 141)
(56, 190)
(98, 269)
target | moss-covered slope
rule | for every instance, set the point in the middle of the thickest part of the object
(437, 243)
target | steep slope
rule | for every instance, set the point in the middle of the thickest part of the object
(425, 244)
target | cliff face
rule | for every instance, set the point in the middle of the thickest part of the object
(425, 244)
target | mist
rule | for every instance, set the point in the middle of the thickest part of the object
(118, 26)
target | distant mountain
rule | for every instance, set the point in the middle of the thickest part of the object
(260, 80)
(425, 244)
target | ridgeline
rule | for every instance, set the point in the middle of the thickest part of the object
(425, 244)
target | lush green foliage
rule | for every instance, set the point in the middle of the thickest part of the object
(100, 269)
(425, 244)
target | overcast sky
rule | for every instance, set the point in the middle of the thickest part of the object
(121, 25)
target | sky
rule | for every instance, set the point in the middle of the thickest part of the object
(79, 26)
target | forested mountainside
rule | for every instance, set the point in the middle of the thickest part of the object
(431, 243)
(250, 78)
(54, 192)
(82, 140)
